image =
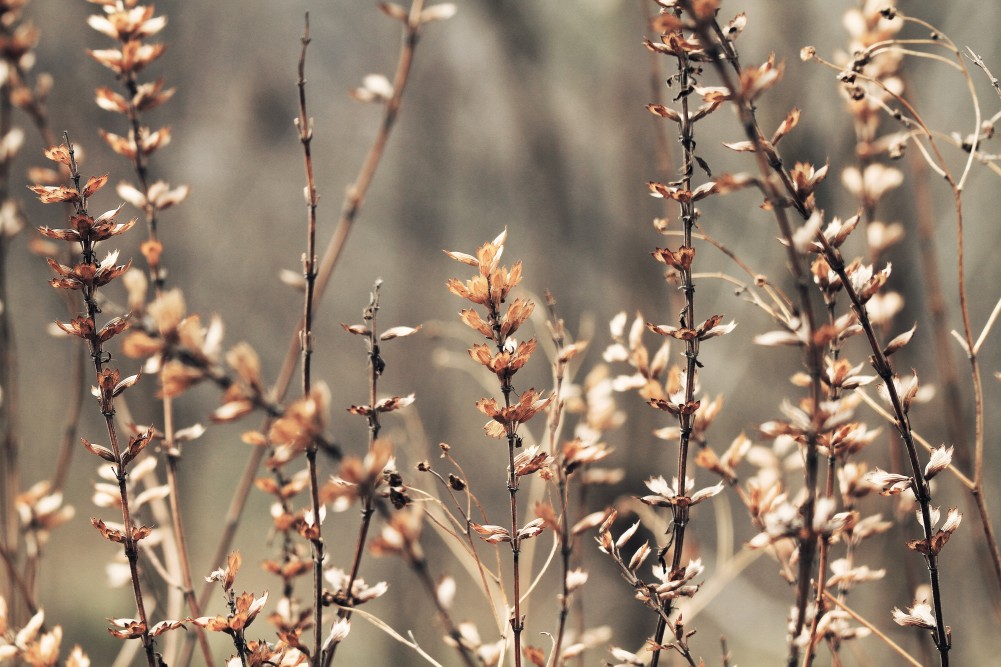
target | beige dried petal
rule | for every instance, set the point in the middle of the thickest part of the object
(439, 12)
(399, 332)
(941, 458)
(900, 341)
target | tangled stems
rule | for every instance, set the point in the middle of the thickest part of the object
(770, 166)
(933, 158)
(376, 366)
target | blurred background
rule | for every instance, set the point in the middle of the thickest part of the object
(525, 115)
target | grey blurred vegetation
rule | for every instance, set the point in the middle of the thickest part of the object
(524, 114)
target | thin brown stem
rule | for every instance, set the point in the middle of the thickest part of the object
(685, 416)
(558, 332)
(376, 366)
(875, 630)
(9, 445)
(18, 582)
(172, 454)
(304, 123)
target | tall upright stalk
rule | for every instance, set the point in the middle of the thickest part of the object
(87, 277)
(129, 28)
(685, 417)
(304, 123)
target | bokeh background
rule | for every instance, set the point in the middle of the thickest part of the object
(520, 114)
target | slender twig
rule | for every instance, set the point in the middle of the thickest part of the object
(353, 201)
(922, 491)
(18, 581)
(721, 52)
(304, 124)
(376, 365)
(685, 416)
(558, 332)
(9, 436)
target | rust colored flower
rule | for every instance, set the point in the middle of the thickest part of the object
(86, 275)
(302, 424)
(227, 575)
(246, 609)
(508, 418)
(532, 460)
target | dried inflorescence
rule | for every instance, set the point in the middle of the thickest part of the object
(33, 644)
(88, 276)
(504, 356)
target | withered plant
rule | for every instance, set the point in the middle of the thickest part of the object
(815, 478)
(88, 277)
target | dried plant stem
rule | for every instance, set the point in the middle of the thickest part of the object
(972, 350)
(375, 366)
(353, 201)
(720, 52)
(8, 419)
(9, 523)
(18, 581)
(555, 422)
(919, 484)
(172, 454)
(304, 123)
(566, 551)
(517, 621)
(946, 369)
(937, 162)
(685, 416)
(99, 357)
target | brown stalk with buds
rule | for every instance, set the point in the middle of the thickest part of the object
(88, 277)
